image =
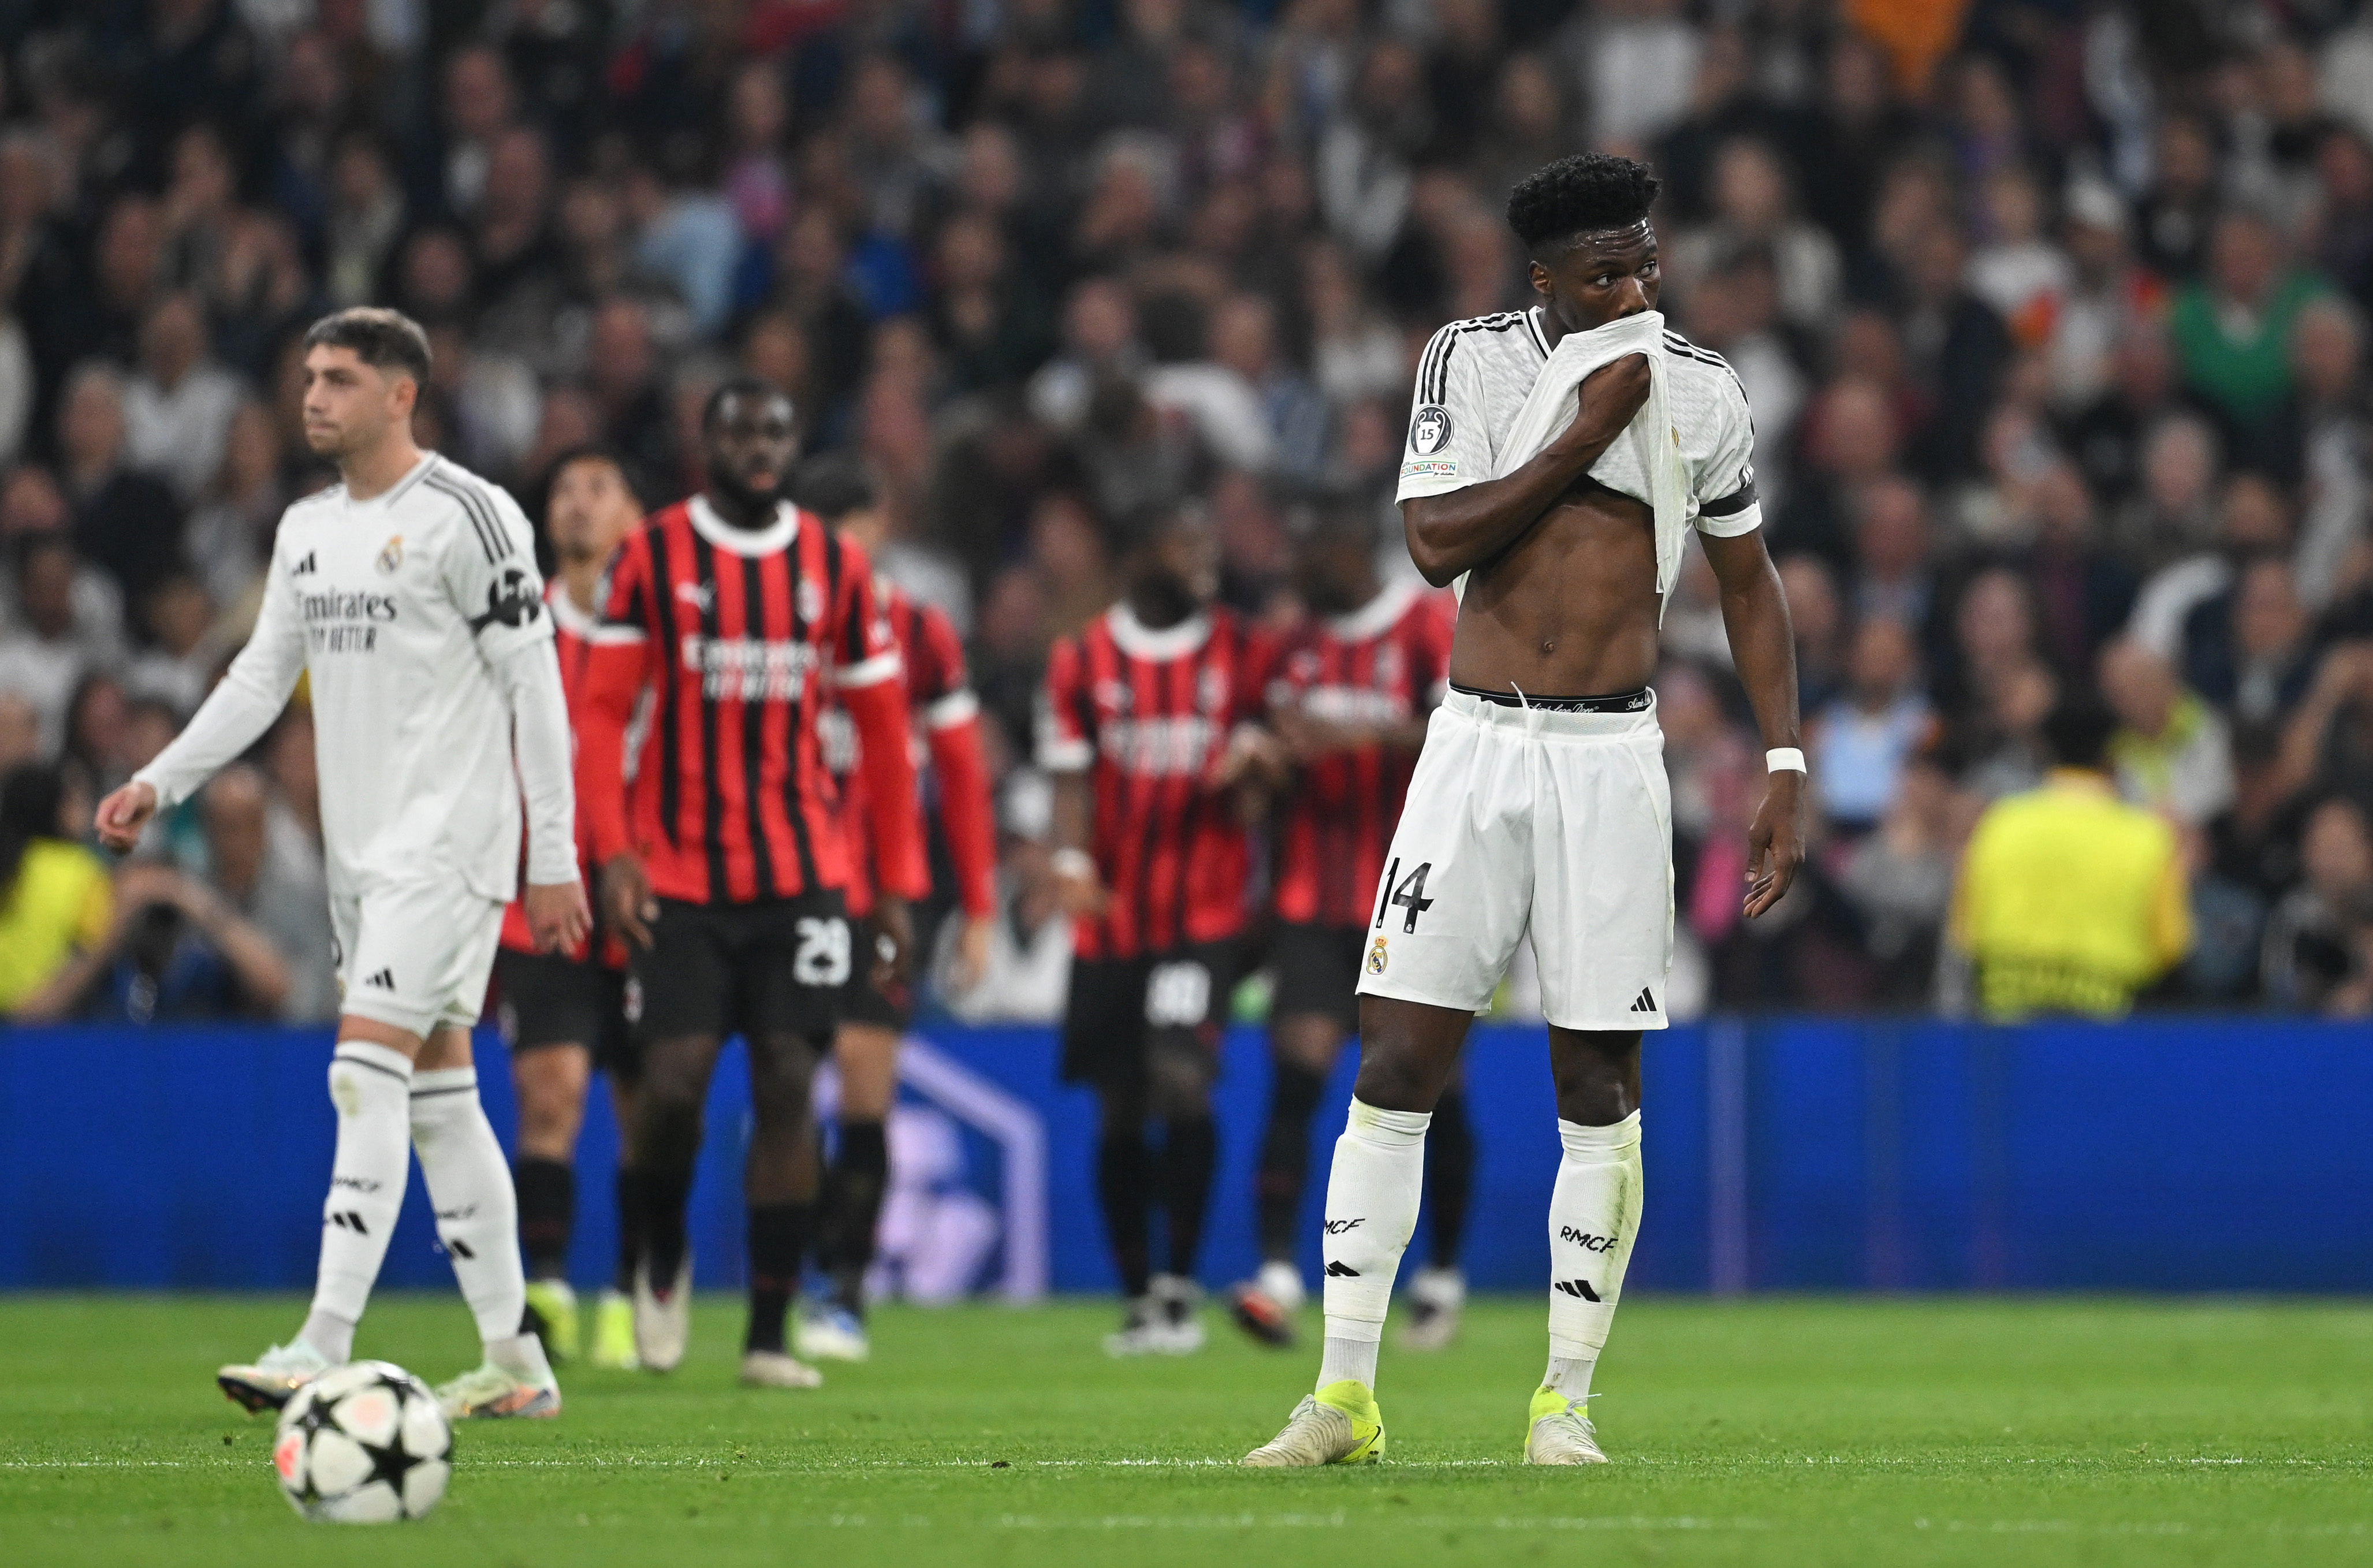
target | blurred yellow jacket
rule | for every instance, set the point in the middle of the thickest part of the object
(61, 903)
(2069, 900)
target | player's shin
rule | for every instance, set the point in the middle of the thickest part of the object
(477, 1212)
(370, 1085)
(547, 1211)
(1124, 1186)
(1372, 1204)
(1593, 1218)
(1285, 1156)
(860, 1174)
(777, 1235)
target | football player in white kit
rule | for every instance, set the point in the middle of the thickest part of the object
(408, 592)
(1539, 808)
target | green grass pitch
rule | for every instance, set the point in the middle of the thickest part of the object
(1769, 1432)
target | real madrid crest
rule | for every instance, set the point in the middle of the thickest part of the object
(390, 554)
(1377, 957)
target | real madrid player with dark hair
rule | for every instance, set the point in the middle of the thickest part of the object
(1558, 459)
(408, 593)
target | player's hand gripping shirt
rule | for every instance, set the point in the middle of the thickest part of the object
(1387, 662)
(1474, 378)
(736, 633)
(420, 618)
(939, 696)
(1148, 716)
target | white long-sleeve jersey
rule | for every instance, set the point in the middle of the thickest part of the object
(420, 618)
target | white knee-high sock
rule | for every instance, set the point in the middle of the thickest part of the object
(469, 1183)
(370, 1084)
(1372, 1202)
(1593, 1217)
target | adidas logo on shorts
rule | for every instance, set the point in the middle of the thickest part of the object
(385, 980)
(1646, 1002)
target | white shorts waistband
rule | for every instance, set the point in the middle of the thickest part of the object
(1551, 722)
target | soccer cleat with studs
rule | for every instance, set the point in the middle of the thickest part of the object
(488, 1392)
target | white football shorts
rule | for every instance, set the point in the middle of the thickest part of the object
(414, 954)
(1529, 821)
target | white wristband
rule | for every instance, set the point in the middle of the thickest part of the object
(1072, 861)
(1784, 759)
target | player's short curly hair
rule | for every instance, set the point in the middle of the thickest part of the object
(1588, 192)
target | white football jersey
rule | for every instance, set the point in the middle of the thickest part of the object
(397, 607)
(1474, 378)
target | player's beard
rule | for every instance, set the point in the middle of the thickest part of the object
(1164, 600)
(755, 505)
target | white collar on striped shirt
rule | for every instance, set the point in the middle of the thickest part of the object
(773, 539)
(1376, 616)
(1140, 641)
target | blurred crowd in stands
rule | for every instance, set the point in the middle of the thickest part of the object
(2052, 316)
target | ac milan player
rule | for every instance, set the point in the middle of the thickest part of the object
(1146, 729)
(735, 609)
(1349, 698)
(564, 1013)
(838, 490)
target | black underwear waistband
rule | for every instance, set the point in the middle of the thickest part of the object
(1621, 702)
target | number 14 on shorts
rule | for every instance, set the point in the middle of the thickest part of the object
(1408, 894)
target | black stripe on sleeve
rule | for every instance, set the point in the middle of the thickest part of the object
(1730, 505)
(480, 510)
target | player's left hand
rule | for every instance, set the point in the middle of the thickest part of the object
(1775, 843)
(894, 943)
(557, 915)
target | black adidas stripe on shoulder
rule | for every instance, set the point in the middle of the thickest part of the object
(1681, 347)
(478, 506)
(1434, 378)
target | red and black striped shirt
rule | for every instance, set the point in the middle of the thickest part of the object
(734, 633)
(939, 694)
(1147, 714)
(572, 633)
(1386, 663)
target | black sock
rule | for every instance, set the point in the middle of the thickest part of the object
(1449, 1172)
(547, 1210)
(778, 1243)
(860, 1178)
(1190, 1151)
(629, 1188)
(665, 1194)
(1285, 1157)
(1124, 1186)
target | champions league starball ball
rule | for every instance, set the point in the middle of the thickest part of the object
(364, 1445)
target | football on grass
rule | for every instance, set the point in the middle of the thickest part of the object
(364, 1445)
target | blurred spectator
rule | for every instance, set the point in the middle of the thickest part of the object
(262, 865)
(2318, 948)
(2232, 328)
(2171, 752)
(125, 521)
(178, 665)
(1860, 739)
(56, 643)
(230, 533)
(1755, 213)
(54, 901)
(1901, 878)
(178, 409)
(2335, 460)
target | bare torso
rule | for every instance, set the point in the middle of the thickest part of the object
(1570, 608)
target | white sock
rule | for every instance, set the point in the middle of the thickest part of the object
(523, 1356)
(1372, 1202)
(469, 1185)
(1593, 1217)
(369, 1085)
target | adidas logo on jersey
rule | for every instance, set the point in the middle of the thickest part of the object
(1646, 1002)
(303, 568)
(1342, 1271)
(348, 1220)
(384, 980)
(1578, 1288)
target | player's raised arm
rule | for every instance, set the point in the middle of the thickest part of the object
(233, 718)
(1755, 615)
(1456, 531)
